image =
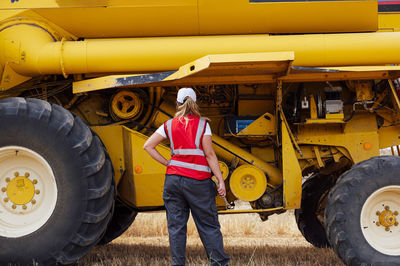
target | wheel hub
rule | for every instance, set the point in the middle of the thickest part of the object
(387, 218)
(20, 191)
(247, 182)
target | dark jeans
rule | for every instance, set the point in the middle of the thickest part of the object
(182, 194)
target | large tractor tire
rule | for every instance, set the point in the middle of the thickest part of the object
(56, 186)
(122, 218)
(310, 217)
(362, 213)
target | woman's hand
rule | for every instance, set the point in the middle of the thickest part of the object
(221, 189)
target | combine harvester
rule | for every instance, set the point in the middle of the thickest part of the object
(294, 89)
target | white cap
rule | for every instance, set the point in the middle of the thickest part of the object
(185, 92)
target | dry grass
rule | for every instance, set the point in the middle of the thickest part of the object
(247, 240)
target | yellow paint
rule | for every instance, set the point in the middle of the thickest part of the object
(313, 108)
(364, 91)
(264, 125)
(224, 171)
(239, 66)
(138, 55)
(144, 189)
(112, 139)
(388, 136)
(20, 190)
(291, 173)
(318, 156)
(360, 129)
(120, 18)
(387, 218)
(325, 121)
(335, 117)
(248, 183)
(126, 104)
(10, 79)
(266, 154)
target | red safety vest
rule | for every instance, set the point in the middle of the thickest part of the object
(187, 153)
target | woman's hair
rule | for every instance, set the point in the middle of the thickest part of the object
(187, 107)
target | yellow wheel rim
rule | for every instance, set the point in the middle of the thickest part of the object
(248, 183)
(126, 105)
(20, 190)
(224, 171)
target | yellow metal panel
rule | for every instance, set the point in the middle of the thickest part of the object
(286, 16)
(111, 136)
(10, 78)
(359, 68)
(129, 18)
(389, 21)
(389, 136)
(229, 66)
(266, 154)
(291, 173)
(146, 177)
(264, 125)
(352, 136)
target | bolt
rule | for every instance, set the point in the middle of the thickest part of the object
(396, 223)
(16, 174)
(33, 201)
(387, 229)
(37, 191)
(8, 179)
(13, 206)
(24, 207)
(378, 213)
(387, 208)
(3, 189)
(396, 213)
(5, 199)
(27, 174)
(378, 224)
(34, 181)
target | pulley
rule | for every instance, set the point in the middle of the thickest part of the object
(224, 171)
(126, 104)
(248, 183)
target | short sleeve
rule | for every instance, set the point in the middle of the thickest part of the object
(207, 132)
(161, 131)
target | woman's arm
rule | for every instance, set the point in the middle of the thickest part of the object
(213, 163)
(150, 147)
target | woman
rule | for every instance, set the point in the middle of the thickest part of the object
(188, 184)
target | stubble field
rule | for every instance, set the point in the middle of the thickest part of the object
(247, 240)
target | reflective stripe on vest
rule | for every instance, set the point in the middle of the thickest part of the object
(196, 151)
(169, 129)
(197, 167)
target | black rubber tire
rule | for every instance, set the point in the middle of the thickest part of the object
(122, 218)
(315, 189)
(83, 175)
(343, 210)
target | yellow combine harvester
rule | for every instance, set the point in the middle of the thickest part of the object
(294, 89)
